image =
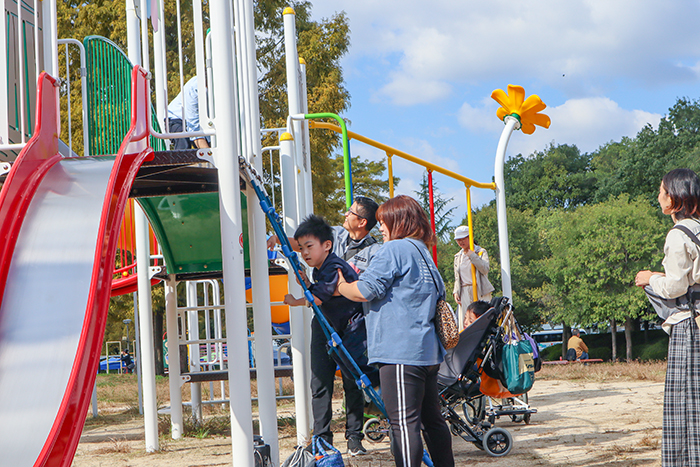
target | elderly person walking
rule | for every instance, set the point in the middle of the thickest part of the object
(402, 286)
(463, 292)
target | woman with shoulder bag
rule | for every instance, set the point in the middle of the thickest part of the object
(679, 197)
(402, 287)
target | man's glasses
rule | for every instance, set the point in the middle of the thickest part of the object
(350, 211)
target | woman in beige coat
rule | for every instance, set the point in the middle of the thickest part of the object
(463, 292)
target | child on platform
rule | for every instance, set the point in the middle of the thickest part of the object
(315, 238)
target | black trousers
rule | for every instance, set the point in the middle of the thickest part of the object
(322, 376)
(410, 395)
(175, 126)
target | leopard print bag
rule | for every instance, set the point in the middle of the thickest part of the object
(445, 320)
(446, 325)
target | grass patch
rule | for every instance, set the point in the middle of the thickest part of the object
(604, 372)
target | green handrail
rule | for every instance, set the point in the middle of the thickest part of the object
(347, 164)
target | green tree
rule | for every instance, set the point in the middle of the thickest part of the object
(321, 44)
(526, 250)
(595, 253)
(636, 166)
(443, 215)
(558, 177)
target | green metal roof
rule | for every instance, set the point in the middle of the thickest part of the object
(189, 231)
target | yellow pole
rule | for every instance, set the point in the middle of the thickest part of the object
(391, 175)
(475, 286)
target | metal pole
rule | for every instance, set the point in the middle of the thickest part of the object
(193, 335)
(231, 232)
(294, 99)
(137, 353)
(171, 323)
(267, 404)
(306, 143)
(133, 38)
(148, 360)
(94, 397)
(143, 262)
(512, 123)
(302, 395)
(431, 201)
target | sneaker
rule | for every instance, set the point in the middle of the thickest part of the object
(355, 447)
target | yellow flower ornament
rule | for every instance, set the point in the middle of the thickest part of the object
(525, 110)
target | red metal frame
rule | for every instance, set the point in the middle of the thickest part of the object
(32, 164)
(432, 213)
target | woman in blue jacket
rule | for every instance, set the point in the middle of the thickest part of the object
(402, 286)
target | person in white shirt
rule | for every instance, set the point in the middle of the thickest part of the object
(679, 197)
(463, 292)
(186, 104)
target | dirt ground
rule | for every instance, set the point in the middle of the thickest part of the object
(578, 423)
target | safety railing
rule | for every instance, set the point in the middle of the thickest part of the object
(430, 167)
(66, 81)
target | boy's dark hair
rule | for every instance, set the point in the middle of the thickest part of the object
(368, 210)
(479, 307)
(314, 226)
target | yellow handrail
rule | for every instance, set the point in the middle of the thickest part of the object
(395, 152)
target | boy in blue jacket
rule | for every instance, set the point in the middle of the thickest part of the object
(315, 238)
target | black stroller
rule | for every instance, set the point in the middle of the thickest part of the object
(459, 382)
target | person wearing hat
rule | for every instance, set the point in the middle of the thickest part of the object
(463, 292)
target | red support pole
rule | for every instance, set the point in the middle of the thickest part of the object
(432, 212)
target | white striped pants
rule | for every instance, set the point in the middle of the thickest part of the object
(410, 395)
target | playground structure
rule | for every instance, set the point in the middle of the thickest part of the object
(60, 217)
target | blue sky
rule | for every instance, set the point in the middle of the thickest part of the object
(420, 75)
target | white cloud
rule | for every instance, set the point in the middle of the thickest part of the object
(406, 90)
(480, 119)
(588, 123)
(578, 46)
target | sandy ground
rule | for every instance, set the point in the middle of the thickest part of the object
(577, 424)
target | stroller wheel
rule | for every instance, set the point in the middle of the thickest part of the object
(498, 442)
(374, 431)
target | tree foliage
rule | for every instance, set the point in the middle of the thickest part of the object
(443, 215)
(559, 177)
(525, 250)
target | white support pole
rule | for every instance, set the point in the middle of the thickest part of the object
(94, 398)
(148, 361)
(306, 145)
(231, 232)
(143, 262)
(199, 64)
(193, 335)
(294, 102)
(303, 197)
(137, 352)
(4, 105)
(160, 75)
(252, 151)
(302, 394)
(512, 123)
(171, 323)
(50, 36)
(133, 38)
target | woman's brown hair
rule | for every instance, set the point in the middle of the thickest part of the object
(404, 217)
(683, 187)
